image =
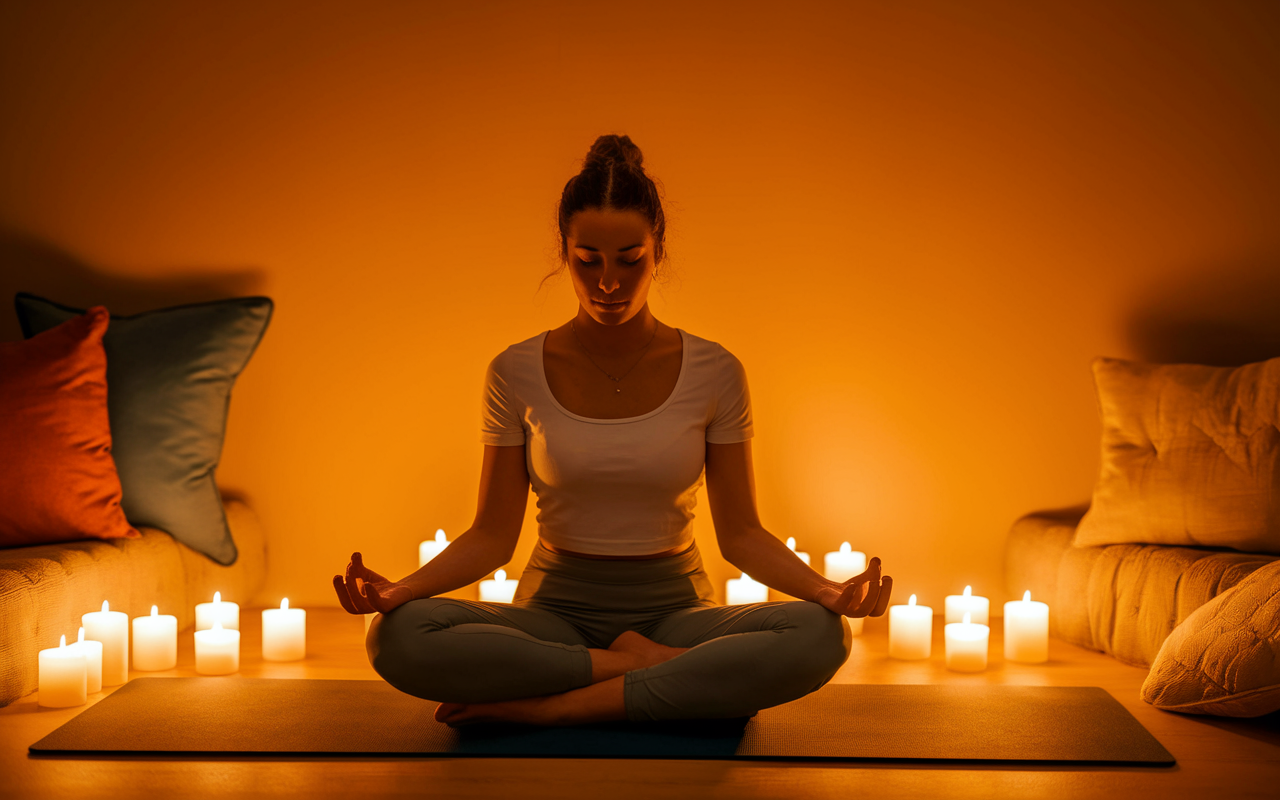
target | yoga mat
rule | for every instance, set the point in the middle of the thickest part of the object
(846, 722)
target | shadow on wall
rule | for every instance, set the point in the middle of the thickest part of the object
(30, 265)
(1221, 316)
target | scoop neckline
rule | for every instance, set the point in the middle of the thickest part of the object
(546, 386)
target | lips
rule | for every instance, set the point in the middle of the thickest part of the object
(609, 303)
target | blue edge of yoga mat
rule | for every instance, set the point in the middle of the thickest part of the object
(234, 716)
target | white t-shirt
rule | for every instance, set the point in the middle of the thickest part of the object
(617, 486)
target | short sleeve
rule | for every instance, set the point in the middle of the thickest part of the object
(731, 421)
(500, 418)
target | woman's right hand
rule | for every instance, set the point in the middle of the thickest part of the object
(363, 591)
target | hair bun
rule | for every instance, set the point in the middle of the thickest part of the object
(612, 149)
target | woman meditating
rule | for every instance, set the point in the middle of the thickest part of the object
(614, 419)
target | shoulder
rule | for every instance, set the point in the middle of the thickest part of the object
(708, 354)
(518, 357)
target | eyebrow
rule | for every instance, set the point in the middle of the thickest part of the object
(592, 249)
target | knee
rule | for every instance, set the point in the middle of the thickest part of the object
(824, 636)
(393, 641)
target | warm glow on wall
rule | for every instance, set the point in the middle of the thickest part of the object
(915, 224)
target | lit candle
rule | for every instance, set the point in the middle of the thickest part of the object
(284, 633)
(155, 641)
(218, 611)
(217, 650)
(967, 646)
(112, 629)
(910, 631)
(64, 676)
(976, 606)
(840, 567)
(745, 590)
(93, 660)
(1026, 630)
(498, 590)
(791, 545)
(429, 549)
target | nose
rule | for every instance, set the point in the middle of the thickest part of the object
(609, 280)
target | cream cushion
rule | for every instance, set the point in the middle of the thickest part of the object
(1224, 659)
(44, 589)
(1190, 456)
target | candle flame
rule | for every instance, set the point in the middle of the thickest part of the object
(966, 618)
(284, 603)
(440, 534)
(105, 607)
(968, 591)
(217, 597)
(217, 625)
(155, 611)
(845, 548)
(1026, 598)
(62, 642)
(791, 543)
(81, 637)
(912, 600)
(500, 575)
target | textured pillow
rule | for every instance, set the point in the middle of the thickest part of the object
(171, 372)
(1190, 456)
(1224, 659)
(57, 480)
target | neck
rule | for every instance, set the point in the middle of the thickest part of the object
(616, 340)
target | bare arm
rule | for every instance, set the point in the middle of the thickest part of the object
(748, 546)
(486, 545)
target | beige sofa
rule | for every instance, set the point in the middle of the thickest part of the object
(1121, 599)
(44, 589)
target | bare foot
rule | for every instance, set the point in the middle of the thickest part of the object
(646, 652)
(529, 711)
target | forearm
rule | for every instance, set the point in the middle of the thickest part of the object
(766, 559)
(467, 559)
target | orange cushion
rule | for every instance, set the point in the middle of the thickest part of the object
(57, 479)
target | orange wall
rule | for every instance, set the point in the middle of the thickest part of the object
(915, 223)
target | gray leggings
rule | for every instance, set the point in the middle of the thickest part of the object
(743, 658)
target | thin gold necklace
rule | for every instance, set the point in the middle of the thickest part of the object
(617, 389)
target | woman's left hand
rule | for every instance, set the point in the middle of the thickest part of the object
(865, 595)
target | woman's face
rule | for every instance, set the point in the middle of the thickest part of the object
(611, 261)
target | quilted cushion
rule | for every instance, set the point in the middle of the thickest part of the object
(45, 588)
(1122, 599)
(1224, 659)
(1190, 456)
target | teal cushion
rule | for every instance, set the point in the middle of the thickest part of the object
(169, 379)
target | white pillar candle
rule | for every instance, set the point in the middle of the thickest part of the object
(284, 633)
(967, 646)
(498, 590)
(976, 606)
(791, 545)
(842, 565)
(910, 631)
(218, 611)
(217, 650)
(64, 676)
(1026, 630)
(92, 650)
(429, 549)
(740, 591)
(155, 641)
(112, 629)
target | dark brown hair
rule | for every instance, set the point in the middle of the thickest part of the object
(613, 177)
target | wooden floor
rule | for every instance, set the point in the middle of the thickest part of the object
(1216, 758)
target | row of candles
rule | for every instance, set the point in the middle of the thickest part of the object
(99, 657)
(967, 633)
